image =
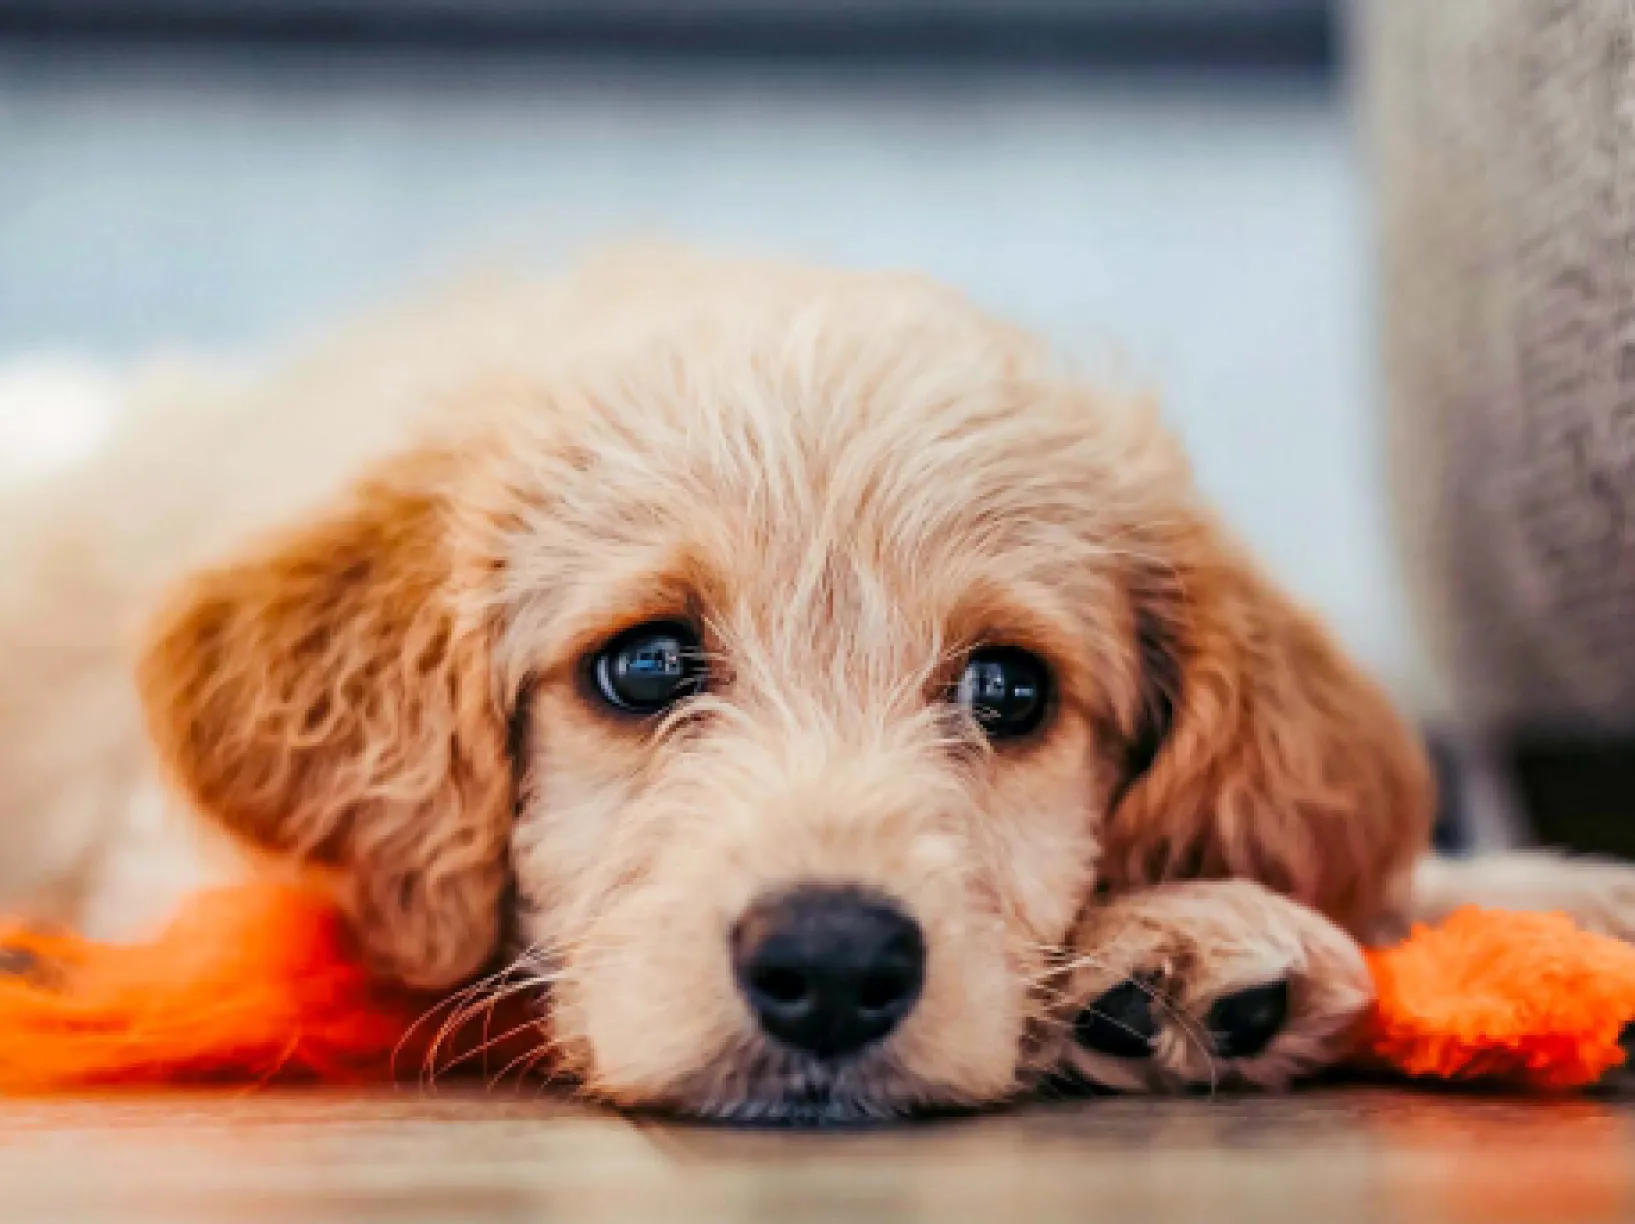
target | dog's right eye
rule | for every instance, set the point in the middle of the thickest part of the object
(648, 668)
(1006, 690)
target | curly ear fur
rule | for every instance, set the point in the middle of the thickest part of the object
(323, 700)
(1280, 763)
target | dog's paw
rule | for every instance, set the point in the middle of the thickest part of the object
(1598, 894)
(1203, 985)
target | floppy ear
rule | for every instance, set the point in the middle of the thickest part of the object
(1280, 761)
(321, 698)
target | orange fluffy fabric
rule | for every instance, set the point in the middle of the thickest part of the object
(1527, 999)
(260, 984)
(248, 985)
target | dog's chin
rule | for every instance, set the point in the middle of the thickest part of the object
(781, 1090)
(796, 1110)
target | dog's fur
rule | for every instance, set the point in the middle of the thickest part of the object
(377, 577)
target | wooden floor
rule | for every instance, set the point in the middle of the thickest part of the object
(1328, 1158)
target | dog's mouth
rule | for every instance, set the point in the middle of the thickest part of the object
(787, 1092)
(812, 1108)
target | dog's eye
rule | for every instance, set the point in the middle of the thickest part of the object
(1006, 690)
(647, 668)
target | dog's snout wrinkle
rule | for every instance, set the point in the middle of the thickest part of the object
(828, 970)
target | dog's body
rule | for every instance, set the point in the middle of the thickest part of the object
(833, 507)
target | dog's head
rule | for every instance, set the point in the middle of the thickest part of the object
(785, 669)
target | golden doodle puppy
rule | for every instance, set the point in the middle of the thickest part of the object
(793, 675)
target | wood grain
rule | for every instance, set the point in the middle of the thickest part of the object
(1323, 1158)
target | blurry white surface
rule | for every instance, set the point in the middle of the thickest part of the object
(54, 409)
(1206, 240)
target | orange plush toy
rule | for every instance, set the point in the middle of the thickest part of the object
(1528, 999)
(259, 984)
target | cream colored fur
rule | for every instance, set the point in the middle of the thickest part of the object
(336, 587)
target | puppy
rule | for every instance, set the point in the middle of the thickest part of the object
(767, 665)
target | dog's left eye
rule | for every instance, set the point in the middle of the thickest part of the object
(650, 667)
(1006, 691)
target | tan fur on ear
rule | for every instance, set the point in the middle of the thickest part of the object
(321, 699)
(1283, 763)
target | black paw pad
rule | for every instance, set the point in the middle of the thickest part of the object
(1242, 1025)
(1121, 1023)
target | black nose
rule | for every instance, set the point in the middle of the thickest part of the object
(828, 970)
